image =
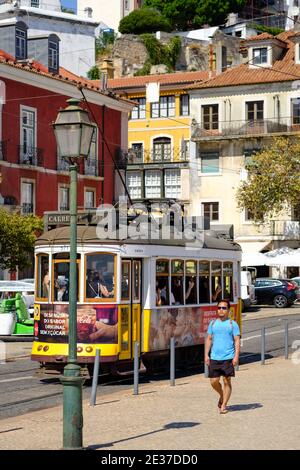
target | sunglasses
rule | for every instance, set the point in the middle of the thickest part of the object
(222, 308)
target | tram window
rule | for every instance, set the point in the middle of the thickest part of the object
(61, 281)
(216, 281)
(100, 276)
(162, 282)
(125, 280)
(190, 282)
(136, 281)
(42, 277)
(204, 273)
(227, 280)
(177, 278)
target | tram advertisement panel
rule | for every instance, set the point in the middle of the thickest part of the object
(95, 324)
(188, 325)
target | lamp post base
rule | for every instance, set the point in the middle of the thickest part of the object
(72, 407)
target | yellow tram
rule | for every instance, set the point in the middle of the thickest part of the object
(128, 291)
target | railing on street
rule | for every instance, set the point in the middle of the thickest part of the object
(32, 156)
(221, 130)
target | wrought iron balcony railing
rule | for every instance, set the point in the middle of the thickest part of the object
(27, 208)
(223, 130)
(30, 155)
(157, 156)
(91, 167)
(62, 165)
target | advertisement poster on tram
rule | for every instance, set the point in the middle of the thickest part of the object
(95, 324)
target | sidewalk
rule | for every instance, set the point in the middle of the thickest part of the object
(264, 414)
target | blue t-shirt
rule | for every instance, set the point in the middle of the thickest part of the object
(223, 333)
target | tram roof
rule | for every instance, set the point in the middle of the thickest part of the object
(88, 235)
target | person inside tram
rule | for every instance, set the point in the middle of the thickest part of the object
(62, 292)
(217, 294)
(176, 291)
(46, 281)
(191, 292)
(106, 280)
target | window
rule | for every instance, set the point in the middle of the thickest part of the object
(177, 281)
(35, 3)
(164, 108)
(296, 213)
(191, 282)
(28, 153)
(216, 281)
(100, 276)
(211, 210)
(248, 215)
(162, 149)
(21, 44)
(42, 277)
(210, 116)
(238, 34)
(91, 162)
(125, 281)
(134, 184)
(139, 111)
(136, 281)
(227, 281)
(153, 184)
(138, 150)
(255, 110)
(61, 280)
(162, 282)
(64, 198)
(53, 57)
(184, 105)
(127, 4)
(27, 197)
(172, 184)
(204, 276)
(210, 162)
(89, 199)
(260, 55)
(296, 110)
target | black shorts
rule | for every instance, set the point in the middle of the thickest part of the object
(220, 368)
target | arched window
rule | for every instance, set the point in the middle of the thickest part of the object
(162, 149)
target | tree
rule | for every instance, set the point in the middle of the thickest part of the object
(94, 73)
(273, 183)
(190, 14)
(144, 20)
(17, 237)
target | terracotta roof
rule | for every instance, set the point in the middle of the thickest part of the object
(282, 70)
(39, 69)
(163, 79)
(260, 37)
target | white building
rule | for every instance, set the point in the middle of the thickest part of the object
(76, 34)
(106, 12)
(235, 114)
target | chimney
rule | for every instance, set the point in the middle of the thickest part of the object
(88, 12)
(232, 19)
(107, 68)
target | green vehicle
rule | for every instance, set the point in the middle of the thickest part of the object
(16, 305)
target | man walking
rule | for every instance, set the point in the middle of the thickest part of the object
(223, 344)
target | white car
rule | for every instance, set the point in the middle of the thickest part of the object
(247, 290)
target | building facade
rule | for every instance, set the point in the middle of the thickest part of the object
(158, 161)
(76, 34)
(34, 178)
(234, 115)
(111, 17)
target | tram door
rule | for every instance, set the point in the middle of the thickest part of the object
(130, 308)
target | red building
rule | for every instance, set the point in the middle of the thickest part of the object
(33, 177)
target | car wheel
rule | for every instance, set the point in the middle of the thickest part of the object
(280, 301)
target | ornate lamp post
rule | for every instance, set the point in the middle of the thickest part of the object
(73, 131)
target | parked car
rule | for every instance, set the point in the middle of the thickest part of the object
(279, 292)
(297, 281)
(247, 290)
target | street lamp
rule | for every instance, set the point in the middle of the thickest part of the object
(73, 131)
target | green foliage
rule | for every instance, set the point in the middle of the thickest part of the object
(189, 14)
(144, 20)
(17, 237)
(266, 29)
(94, 73)
(159, 53)
(273, 180)
(105, 41)
(68, 10)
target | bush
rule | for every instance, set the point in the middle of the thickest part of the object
(145, 20)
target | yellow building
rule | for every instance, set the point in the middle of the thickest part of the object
(159, 130)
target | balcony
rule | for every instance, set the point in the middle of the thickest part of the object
(90, 167)
(169, 155)
(27, 208)
(244, 129)
(2, 150)
(31, 156)
(62, 165)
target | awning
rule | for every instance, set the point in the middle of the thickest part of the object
(251, 255)
(283, 257)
